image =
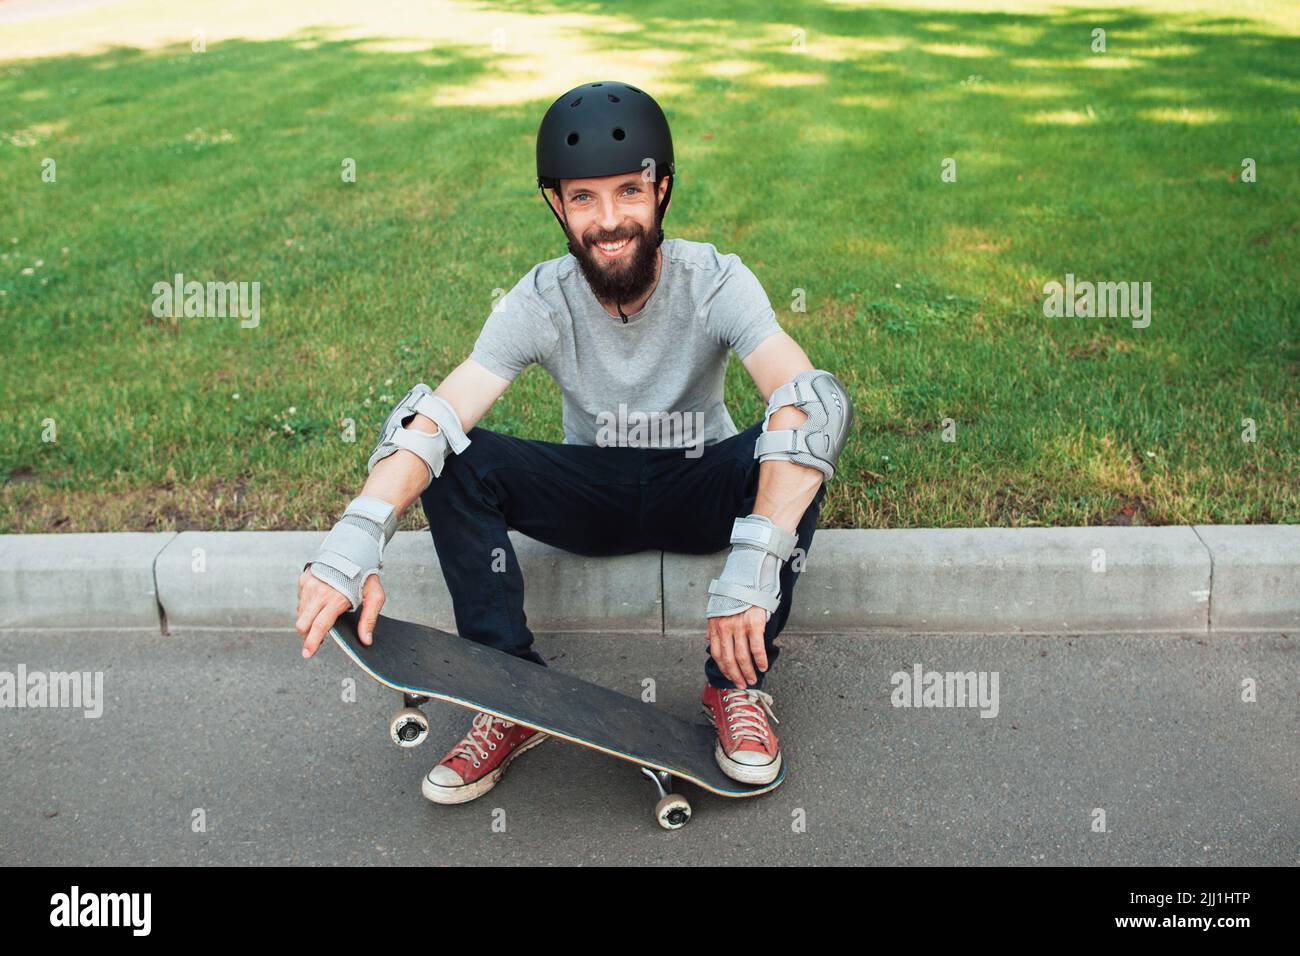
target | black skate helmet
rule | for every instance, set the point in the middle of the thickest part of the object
(603, 129)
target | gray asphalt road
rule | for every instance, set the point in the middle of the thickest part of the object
(1150, 730)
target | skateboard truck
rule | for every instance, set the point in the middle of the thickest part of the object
(409, 726)
(673, 811)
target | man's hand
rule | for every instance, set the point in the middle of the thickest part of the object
(736, 645)
(319, 606)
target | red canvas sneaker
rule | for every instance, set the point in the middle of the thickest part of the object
(747, 748)
(473, 766)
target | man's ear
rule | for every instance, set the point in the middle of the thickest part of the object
(663, 188)
(553, 197)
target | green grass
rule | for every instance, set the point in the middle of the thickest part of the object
(821, 169)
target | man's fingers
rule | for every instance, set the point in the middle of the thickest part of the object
(744, 664)
(726, 656)
(319, 627)
(715, 646)
(308, 608)
(301, 619)
(757, 628)
(734, 651)
(328, 605)
(372, 599)
(730, 648)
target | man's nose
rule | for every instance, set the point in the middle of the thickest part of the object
(610, 217)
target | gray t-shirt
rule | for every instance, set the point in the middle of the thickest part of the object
(652, 382)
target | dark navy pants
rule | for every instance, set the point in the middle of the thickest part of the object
(592, 501)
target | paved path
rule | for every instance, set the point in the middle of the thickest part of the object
(1151, 729)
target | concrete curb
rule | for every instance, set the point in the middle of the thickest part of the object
(238, 579)
(990, 580)
(76, 581)
(1256, 572)
(982, 579)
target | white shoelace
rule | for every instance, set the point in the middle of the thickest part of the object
(748, 722)
(483, 727)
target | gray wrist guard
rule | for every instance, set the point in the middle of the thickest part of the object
(815, 442)
(752, 575)
(354, 548)
(431, 449)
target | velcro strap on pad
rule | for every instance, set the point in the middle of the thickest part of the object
(381, 512)
(339, 562)
(438, 409)
(768, 602)
(764, 535)
(345, 539)
(785, 440)
(431, 449)
(787, 394)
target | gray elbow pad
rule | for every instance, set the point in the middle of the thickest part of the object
(818, 440)
(431, 449)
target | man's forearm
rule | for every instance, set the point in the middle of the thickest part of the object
(402, 476)
(786, 489)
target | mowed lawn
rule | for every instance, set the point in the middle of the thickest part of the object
(811, 139)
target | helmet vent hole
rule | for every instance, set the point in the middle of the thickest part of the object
(612, 97)
(619, 134)
(572, 139)
(595, 84)
(575, 102)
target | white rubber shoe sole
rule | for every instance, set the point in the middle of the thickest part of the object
(746, 773)
(437, 793)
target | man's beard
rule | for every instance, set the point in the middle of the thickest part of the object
(626, 278)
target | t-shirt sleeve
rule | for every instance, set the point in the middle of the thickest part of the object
(518, 331)
(739, 314)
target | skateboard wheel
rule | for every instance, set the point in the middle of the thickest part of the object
(408, 727)
(673, 811)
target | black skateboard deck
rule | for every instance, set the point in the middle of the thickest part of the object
(424, 662)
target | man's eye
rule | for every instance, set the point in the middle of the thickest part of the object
(578, 197)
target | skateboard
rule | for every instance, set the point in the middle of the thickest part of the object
(424, 663)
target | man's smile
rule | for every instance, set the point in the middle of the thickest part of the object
(612, 250)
